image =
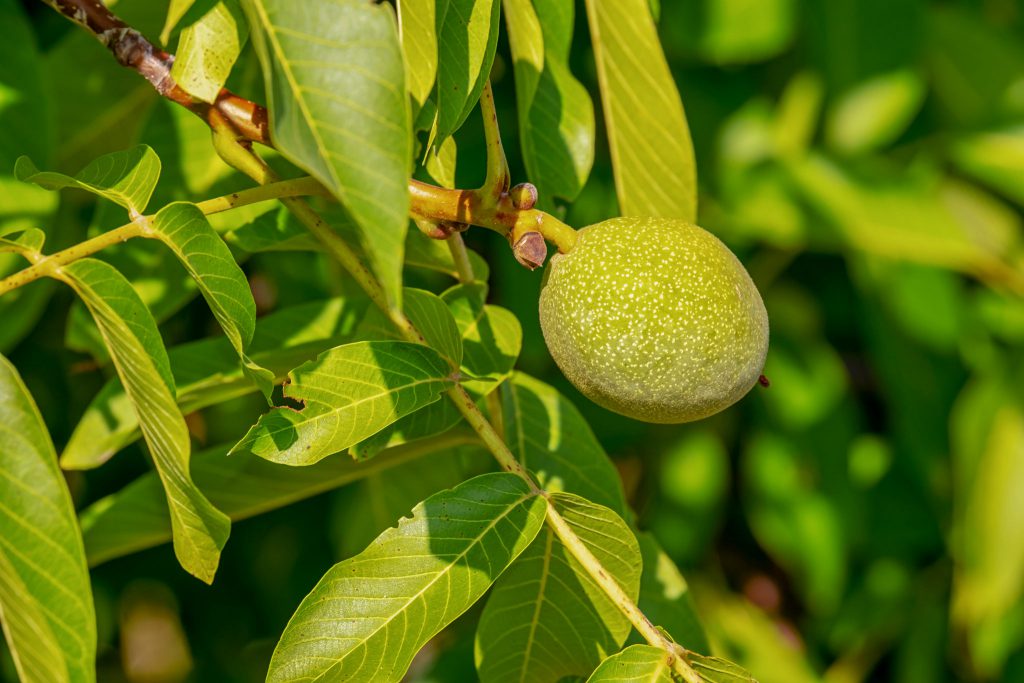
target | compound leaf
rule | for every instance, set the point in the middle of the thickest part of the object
(552, 440)
(546, 618)
(370, 615)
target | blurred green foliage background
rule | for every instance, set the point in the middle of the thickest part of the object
(860, 520)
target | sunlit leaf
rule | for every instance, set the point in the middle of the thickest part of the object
(635, 664)
(556, 116)
(996, 158)
(184, 228)
(652, 155)
(208, 371)
(730, 31)
(491, 335)
(45, 598)
(126, 178)
(370, 615)
(339, 110)
(553, 441)
(718, 670)
(27, 242)
(346, 394)
(546, 618)
(200, 530)
(467, 40)
(135, 517)
(418, 21)
(176, 10)
(208, 49)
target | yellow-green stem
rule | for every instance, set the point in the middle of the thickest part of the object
(498, 176)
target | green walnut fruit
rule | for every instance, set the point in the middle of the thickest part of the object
(655, 319)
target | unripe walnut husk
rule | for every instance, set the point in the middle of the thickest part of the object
(654, 318)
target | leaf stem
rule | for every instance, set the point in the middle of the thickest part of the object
(461, 258)
(498, 177)
(46, 265)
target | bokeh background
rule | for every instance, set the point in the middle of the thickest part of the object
(860, 520)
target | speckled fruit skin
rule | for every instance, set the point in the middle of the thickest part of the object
(655, 319)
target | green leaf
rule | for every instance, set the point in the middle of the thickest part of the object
(556, 115)
(635, 664)
(45, 597)
(418, 21)
(272, 231)
(433, 319)
(467, 41)
(552, 440)
(440, 163)
(134, 518)
(208, 49)
(718, 670)
(431, 420)
(665, 597)
(652, 154)
(176, 10)
(347, 394)
(27, 242)
(185, 230)
(370, 615)
(875, 112)
(339, 110)
(423, 252)
(726, 32)
(126, 178)
(208, 372)
(995, 158)
(200, 530)
(491, 335)
(546, 618)
(376, 501)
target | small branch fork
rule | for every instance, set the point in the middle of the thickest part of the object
(237, 123)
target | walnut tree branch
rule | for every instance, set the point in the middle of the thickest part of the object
(131, 49)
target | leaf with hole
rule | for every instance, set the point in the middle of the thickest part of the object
(347, 394)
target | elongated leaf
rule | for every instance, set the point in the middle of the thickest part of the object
(348, 393)
(546, 618)
(491, 335)
(339, 110)
(208, 372)
(635, 664)
(553, 441)
(176, 10)
(200, 530)
(418, 21)
(126, 178)
(467, 42)
(208, 49)
(272, 231)
(184, 228)
(45, 597)
(369, 615)
(556, 115)
(665, 598)
(134, 518)
(652, 154)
